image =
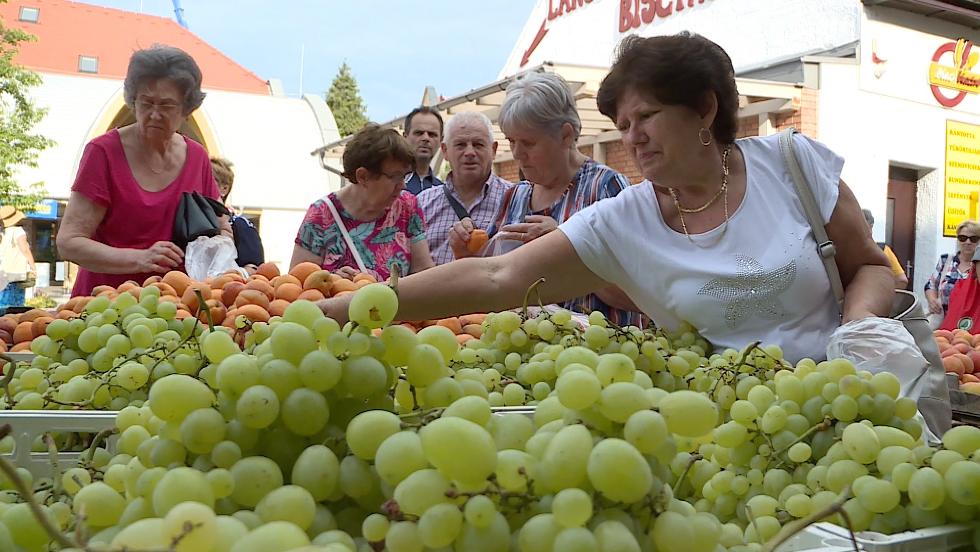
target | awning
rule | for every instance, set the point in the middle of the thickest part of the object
(757, 98)
(961, 12)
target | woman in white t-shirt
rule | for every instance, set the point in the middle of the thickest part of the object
(715, 236)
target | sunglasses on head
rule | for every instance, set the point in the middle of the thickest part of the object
(973, 239)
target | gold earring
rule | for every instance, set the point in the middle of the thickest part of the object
(702, 132)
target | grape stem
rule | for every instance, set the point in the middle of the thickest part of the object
(8, 376)
(527, 296)
(792, 529)
(96, 441)
(55, 467)
(25, 493)
(824, 425)
(680, 480)
(203, 306)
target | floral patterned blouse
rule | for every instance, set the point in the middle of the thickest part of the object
(381, 243)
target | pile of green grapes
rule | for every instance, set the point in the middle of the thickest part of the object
(370, 437)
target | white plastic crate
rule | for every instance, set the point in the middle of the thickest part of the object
(21, 357)
(827, 537)
(28, 425)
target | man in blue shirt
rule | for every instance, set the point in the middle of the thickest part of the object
(423, 130)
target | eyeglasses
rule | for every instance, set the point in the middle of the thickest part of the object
(973, 239)
(161, 108)
(395, 177)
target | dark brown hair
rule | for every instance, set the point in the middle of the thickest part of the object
(423, 109)
(221, 168)
(369, 148)
(679, 69)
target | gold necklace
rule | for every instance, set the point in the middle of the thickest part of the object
(723, 191)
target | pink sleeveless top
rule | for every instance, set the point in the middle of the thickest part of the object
(134, 218)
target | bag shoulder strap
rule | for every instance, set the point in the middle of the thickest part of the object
(458, 208)
(343, 231)
(825, 247)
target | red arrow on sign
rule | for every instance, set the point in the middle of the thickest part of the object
(535, 43)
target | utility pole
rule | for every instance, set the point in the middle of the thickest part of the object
(179, 12)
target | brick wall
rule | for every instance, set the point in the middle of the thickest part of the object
(508, 170)
(747, 126)
(619, 158)
(808, 109)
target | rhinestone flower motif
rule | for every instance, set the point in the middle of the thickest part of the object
(752, 291)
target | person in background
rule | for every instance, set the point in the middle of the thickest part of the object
(901, 280)
(472, 194)
(247, 241)
(423, 130)
(372, 224)
(120, 216)
(963, 311)
(952, 268)
(542, 124)
(16, 259)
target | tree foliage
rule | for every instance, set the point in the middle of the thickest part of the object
(19, 145)
(345, 102)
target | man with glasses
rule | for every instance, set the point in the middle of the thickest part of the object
(952, 268)
(423, 130)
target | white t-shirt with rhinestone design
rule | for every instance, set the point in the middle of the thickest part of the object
(761, 279)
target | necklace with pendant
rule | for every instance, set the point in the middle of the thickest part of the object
(722, 192)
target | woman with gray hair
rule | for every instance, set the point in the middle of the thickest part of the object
(542, 125)
(120, 216)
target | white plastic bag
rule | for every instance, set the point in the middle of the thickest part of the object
(209, 257)
(883, 345)
(3, 280)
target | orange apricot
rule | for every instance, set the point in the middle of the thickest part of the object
(23, 332)
(451, 323)
(255, 313)
(269, 270)
(263, 286)
(310, 295)
(177, 280)
(302, 270)
(478, 238)
(288, 292)
(252, 297)
(278, 307)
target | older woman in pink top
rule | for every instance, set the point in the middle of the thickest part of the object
(120, 216)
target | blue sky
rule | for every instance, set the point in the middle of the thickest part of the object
(395, 47)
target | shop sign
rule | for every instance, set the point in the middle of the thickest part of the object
(632, 15)
(962, 184)
(951, 77)
(46, 210)
(635, 13)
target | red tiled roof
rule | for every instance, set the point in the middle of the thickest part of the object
(66, 30)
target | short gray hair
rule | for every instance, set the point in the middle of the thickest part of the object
(540, 101)
(474, 117)
(164, 62)
(869, 217)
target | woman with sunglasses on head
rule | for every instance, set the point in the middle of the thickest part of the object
(371, 224)
(952, 268)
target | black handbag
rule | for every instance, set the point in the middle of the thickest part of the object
(197, 216)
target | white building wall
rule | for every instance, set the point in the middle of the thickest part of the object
(753, 32)
(269, 140)
(891, 118)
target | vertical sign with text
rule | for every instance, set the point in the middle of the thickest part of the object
(962, 186)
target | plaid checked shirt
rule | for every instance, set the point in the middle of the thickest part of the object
(440, 216)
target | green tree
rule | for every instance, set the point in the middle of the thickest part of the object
(19, 146)
(345, 102)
